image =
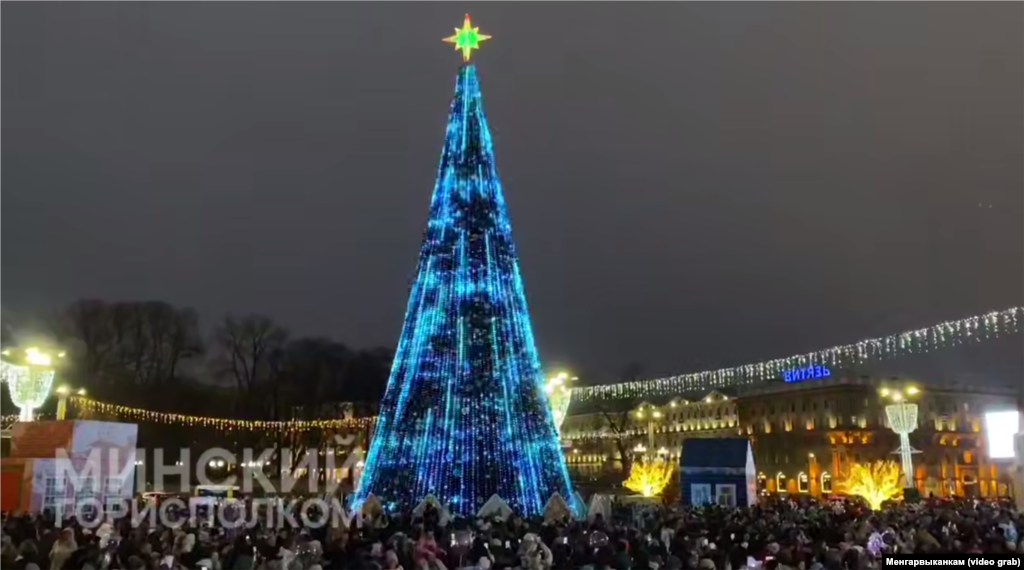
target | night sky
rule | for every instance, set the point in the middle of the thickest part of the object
(690, 184)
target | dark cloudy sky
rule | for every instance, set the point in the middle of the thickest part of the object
(690, 184)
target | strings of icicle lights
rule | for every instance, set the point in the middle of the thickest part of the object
(139, 414)
(946, 334)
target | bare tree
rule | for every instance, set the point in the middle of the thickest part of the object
(129, 344)
(617, 418)
(250, 352)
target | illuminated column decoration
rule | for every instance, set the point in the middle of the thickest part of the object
(903, 420)
(29, 376)
(559, 397)
(465, 415)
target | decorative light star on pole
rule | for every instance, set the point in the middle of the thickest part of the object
(467, 39)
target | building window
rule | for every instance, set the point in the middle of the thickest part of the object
(826, 482)
(700, 494)
(780, 482)
(801, 483)
(725, 495)
(54, 492)
(113, 505)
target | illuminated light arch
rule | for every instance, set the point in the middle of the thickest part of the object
(803, 483)
(826, 482)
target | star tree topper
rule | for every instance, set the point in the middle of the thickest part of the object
(467, 39)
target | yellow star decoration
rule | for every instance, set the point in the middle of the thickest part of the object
(467, 39)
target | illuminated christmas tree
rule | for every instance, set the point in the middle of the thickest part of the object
(465, 416)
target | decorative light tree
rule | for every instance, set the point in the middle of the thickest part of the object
(649, 477)
(559, 396)
(875, 483)
(465, 415)
(902, 416)
(29, 375)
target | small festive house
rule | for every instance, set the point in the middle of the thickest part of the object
(718, 470)
(65, 465)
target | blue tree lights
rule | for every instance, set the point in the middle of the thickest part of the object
(465, 416)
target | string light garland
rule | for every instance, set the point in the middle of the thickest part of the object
(139, 414)
(465, 415)
(946, 334)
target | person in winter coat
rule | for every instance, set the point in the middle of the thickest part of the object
(28, 557)
(63, 549)
(427, 553)
(534, 554)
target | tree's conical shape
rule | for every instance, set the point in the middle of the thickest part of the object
(465, 415)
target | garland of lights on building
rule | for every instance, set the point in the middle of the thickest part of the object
(950, 333)
(946, 334)
(138, 414)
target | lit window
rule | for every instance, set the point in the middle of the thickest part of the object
(725, 495)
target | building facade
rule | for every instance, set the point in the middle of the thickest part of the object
(805, 435)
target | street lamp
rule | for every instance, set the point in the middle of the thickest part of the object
(29, 375)
(652, 415)
(902, 416)
(62, 399)
(559, 395)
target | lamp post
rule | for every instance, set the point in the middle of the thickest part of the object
(902, 416)
(62, 400)
(29, 375)
(811, 475)
(652, 415)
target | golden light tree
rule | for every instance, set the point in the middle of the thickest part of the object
(875, 483)
(649, 478)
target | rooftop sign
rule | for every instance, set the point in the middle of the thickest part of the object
(809, 373)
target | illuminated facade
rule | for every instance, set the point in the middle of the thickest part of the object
(805, 435)
(465, 415)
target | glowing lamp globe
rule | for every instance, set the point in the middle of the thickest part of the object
(29, 375)
(559, 396)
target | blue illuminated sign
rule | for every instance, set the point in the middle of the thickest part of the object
(809, 373)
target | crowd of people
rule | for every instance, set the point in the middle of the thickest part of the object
(774, 535)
